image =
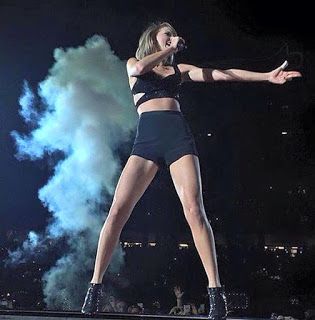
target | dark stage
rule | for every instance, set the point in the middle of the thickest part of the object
(47, 315)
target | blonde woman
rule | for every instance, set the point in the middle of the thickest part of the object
(164, 138)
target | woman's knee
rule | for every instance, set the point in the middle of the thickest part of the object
(195, 214)
(119, 213)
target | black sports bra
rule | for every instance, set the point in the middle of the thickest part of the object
(154, 86)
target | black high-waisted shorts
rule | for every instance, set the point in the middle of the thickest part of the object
(163, 137)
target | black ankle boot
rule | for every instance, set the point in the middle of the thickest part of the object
(217, 301)
(92, 302)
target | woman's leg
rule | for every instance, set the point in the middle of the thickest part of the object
(185, 173)
(134, 180)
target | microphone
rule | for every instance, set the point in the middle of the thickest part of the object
(181, 45)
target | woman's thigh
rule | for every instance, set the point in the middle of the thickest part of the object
(134, 180)
(185, 173)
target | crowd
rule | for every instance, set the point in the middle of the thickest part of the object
(182, 307)
(113, 304)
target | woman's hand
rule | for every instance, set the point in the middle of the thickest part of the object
(175, 41)
(279, 76)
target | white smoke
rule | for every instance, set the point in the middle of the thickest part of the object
(84, 112)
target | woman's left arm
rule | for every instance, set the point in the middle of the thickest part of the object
(278, 75)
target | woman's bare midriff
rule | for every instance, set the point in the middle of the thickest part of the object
(159, 104)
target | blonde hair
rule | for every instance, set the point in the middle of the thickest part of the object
(148, 44)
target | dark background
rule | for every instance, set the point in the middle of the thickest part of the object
(255, 180)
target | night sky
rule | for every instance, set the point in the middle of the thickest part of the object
(245, 119)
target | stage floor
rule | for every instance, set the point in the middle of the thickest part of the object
(53, 315)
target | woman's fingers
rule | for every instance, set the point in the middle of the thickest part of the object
(292, 74)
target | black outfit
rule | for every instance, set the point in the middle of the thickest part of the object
(162, 136)
(155, 86)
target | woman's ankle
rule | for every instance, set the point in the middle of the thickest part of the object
(214, 284)
(96, 281)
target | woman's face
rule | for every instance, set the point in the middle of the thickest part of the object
(163, 37)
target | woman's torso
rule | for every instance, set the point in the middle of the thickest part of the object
(156, 104)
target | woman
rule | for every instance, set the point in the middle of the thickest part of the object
(163, 136)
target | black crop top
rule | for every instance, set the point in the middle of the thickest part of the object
(155, 86)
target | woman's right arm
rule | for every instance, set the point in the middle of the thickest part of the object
(138, 67)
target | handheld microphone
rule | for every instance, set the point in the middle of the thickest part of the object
(284, 64)
(181, 45)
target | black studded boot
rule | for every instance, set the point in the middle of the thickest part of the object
(217, 301)
(92, 301)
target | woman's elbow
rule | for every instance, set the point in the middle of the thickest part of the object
(221, 75)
